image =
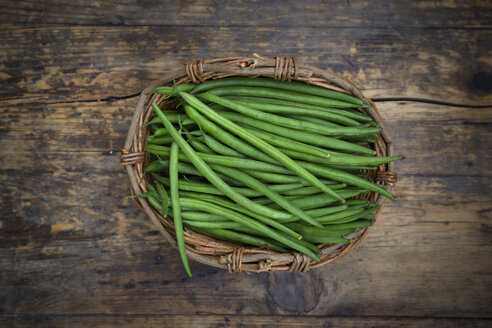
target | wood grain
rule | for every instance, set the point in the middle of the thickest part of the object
(237, 321)
(75, 251)
(365, 13)
(88, 63)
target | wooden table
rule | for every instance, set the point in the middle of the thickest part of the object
(74, 251)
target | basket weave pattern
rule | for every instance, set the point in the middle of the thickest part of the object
(227, 255)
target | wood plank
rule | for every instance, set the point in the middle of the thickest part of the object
(366, 14)
(439, 140)
(213, 321)
(59, 64)
(427, 135)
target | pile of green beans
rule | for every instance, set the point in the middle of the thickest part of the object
(263, 162)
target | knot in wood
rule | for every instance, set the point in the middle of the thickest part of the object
(264, 266)
(194, 70)
(286, 68)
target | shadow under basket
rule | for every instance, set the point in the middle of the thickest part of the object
(227, 255)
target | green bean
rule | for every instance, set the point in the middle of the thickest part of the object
(197, 145)
(317, 121)
(352, 169)
(224, 160)
(329, 239)
(206, 188)
(308, 245)
(264, 146)
(339, 215)
(174, 89)
(350, 225)
(306, 112)
(300, 155)
(153, 197)
(159, 140)
(357, 202)
(210, 175)
(310, 201)
(160, 132)
(230, 205)
(212, 225)
(322, 236)
(143, 195)
(338, 175)
(233, 236)
(351, 113)
(160, 165)
(237, 217)
(220, 148)
(268, 201)
(283, 178)
(368, 139)
(200, 147)
(155, 202)
(313, 231)
(353, 207)
(226, 137)
(310, 190)
(280, 94)
(302, 136)
(151, 188)
(209, 189)
(285, 121)
(263, 236)
(260, 187)
(319, 200)
(318, 212)
(174, 119)
(348, 159)
(174, 116)
(164, 198)
(270, 83)
(178, 225)
(157, 166)
(289, 143)
(354, 216)
(274, 177)
(187, 169)
(202, 216)
(242, 228)
(326, 161)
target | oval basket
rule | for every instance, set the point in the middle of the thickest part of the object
(227, 255)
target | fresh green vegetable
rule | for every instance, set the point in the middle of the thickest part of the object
(264, 163)
(178, 226)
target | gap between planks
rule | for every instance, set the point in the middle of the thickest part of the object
(377, 100)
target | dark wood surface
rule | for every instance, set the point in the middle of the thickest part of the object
(74, 251)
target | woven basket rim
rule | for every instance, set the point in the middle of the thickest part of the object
(241, 258)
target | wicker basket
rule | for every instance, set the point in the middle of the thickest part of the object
(226, 255)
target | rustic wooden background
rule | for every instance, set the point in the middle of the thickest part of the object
(74, 251)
